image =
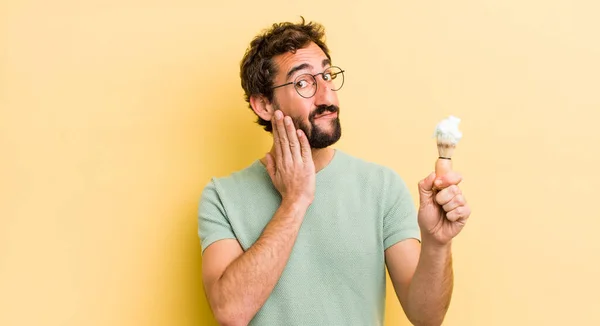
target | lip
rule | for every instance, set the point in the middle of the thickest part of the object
(328, 115)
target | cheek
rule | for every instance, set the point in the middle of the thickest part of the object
(294, 105)
(300, 117)
(305, 108)
(300, 108)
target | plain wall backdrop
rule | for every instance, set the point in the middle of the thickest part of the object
(115, 114)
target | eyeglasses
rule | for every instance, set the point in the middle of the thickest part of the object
(306, 84)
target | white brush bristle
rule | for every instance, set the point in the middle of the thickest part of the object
(445, 148)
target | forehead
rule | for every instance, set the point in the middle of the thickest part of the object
(311, 55)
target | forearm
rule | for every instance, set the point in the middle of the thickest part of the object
(249, 280)
(431, 287)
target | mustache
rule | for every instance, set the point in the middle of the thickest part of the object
(324, 108)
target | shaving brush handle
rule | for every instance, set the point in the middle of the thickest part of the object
(442, 166)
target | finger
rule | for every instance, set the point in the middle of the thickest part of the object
(426, 188)
(293, 139)
(305, 146)
(461, 213)
(270, 166)
(444, 196)
(447, 179)
(276, 140)
(458, 200)
(286, 155)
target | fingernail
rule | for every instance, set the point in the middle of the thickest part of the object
(278, 115)
(438, 182)
(287, 120)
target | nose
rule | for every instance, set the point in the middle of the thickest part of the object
(324, 95)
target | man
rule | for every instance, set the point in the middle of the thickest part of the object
(303, 235)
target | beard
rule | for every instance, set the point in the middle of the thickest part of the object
(317, 136)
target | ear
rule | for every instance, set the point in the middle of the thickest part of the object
(262, 107)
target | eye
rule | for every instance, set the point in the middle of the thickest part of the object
(327, 76)
(302, 83)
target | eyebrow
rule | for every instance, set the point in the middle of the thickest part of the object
(296, 68)
(304, 66)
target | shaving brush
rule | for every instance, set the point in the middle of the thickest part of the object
(447, 135)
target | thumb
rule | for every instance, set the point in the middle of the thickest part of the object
(270, 166)
(426, 188)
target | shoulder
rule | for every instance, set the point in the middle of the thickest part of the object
(254, 170)
(248, 175)
(242, 183)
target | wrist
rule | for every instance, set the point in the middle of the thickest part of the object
(296, 201)
(434, 246)
(295, 206)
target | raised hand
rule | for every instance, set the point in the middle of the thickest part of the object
(291, 169)
(443, 209)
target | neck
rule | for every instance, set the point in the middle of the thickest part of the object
(321, 157)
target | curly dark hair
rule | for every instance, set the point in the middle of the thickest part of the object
(257, 68)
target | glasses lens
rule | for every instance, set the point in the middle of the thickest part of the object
(305, 85)
(334, 76)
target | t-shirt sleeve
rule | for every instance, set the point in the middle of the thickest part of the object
(213, 224)
(400, 219)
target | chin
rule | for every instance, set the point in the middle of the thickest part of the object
(326, 138)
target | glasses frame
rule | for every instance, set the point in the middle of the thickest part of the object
(315, 79)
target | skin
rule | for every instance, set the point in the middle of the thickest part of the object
(238, 283)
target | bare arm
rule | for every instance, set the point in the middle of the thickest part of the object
(422, 273)
(238, 283)
(430, 290)
(423, 280)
